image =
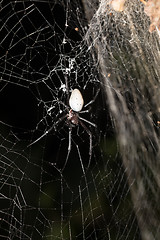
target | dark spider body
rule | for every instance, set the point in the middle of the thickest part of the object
(73, 117)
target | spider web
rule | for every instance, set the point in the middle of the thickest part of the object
(48, 48)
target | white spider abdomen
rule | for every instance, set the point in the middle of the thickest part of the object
(76, 101)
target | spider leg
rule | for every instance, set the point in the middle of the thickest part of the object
(93, 98)
(85, 111)
(47, 131)
(94, 125)
(69, 147)
(90, 141)
(69, 141)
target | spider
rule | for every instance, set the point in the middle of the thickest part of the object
(76, 104)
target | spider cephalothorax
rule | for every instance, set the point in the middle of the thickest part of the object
(73, 117)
